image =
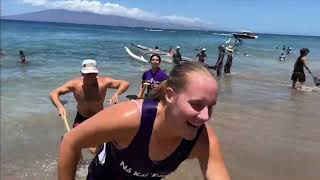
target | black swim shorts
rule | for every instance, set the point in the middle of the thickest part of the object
(298, 76)
(78, 119)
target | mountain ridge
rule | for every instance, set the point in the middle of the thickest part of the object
(74, 17)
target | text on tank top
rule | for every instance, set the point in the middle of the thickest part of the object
(133, 162)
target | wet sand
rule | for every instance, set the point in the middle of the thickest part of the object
(263, 137)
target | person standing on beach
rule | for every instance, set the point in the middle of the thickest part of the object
(177, 56)
(202, 56)
(150, 138)
(219, 63)
(298, 72)
(152, 77)
(89, 92)
(22, 57)
(228, 64)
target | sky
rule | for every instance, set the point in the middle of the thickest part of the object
(297, 17)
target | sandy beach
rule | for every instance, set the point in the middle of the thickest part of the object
(261, 140)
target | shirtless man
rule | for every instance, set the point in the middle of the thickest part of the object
(89, 92)
(202, 56)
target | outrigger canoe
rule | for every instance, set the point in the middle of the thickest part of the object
(165, 56)
(138, 58)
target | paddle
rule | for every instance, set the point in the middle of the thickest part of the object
(132, 97)
(66, 125)
(65, 120)
(316, 80)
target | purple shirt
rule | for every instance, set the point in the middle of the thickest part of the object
(154, 78)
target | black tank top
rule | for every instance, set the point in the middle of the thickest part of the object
(133, 162)
(298, 66)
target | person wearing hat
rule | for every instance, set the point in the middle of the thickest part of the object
(298, 72)
(89, 91)
(228, 64)
(219, 62)
(176, 56)
(202, 56)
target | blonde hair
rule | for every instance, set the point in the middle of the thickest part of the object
(177, 78)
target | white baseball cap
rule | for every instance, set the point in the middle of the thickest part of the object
(89, 66)
(178, 47)
(203, 49)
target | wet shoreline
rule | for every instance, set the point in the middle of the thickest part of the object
(274, 139)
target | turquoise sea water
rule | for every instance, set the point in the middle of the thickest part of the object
(55, 52)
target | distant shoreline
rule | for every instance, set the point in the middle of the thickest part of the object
(142, 27)
(99, 25)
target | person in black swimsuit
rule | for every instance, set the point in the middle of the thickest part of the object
(298, 72)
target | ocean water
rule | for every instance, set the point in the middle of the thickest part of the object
(55, 52)
(256, 105)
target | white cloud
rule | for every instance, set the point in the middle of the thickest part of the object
(36, 2)
(185, 20)
(113, 9)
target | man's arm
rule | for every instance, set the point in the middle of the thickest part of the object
(110, 124)
(305, 64)
(205, 57)
(54, 96)
(121, 86)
